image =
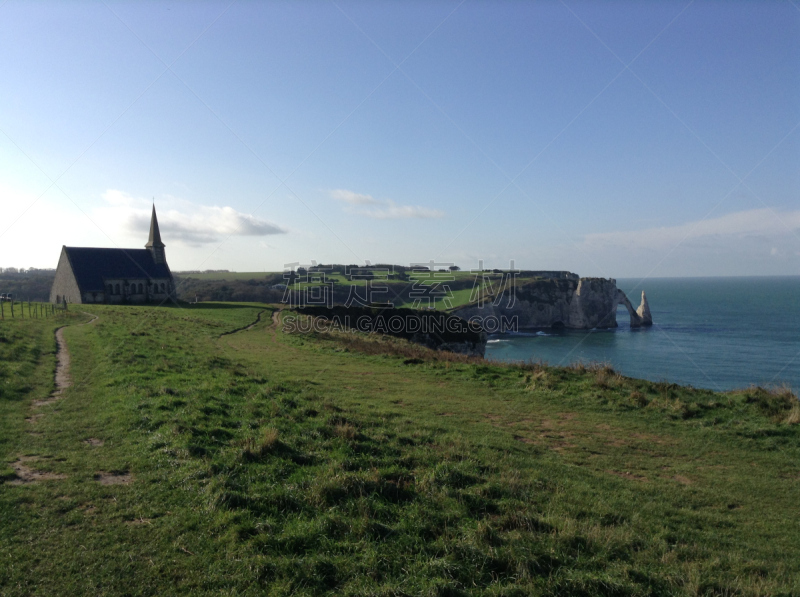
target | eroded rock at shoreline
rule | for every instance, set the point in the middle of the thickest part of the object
(644, 311)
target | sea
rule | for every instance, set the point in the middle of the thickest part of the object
(715, 333)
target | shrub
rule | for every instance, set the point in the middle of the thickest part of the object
(269, 440)
(256, 447)
(793, 418)
(345, 431)
(780, 404)
(638, 398)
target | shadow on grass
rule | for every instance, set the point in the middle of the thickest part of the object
(220, 305)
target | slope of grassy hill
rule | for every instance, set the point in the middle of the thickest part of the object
(188, 459)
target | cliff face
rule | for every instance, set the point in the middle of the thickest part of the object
(584, 303)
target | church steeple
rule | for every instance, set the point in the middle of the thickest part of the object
(154, 244)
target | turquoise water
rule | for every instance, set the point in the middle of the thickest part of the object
(717, 333)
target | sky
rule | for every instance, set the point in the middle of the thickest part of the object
(614, 139)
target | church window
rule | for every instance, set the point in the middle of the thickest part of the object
(162, 287)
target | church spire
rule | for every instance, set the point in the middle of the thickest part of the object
(154, 243)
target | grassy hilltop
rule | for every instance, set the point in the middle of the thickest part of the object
(188, 459)
(401, 286)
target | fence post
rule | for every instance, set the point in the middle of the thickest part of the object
(12, 308)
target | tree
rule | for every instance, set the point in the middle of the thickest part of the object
(454, 268)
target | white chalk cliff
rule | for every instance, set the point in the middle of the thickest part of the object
(584, 303)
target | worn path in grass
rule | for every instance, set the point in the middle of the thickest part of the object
(25, 466)
(74, 528)
(244, 328)
(63, 380)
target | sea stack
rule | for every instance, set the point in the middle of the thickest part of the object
(644, 311)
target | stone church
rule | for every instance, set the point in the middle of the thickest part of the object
(114, 276)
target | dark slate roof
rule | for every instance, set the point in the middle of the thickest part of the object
(92, 265)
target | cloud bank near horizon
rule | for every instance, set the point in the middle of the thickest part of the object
(764, 224)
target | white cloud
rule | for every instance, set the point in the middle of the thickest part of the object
(354, 198)
(762, 223)
(184, 221)
(383, 209)
(393, 212)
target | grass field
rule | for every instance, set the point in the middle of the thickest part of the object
(257, 275)
(397, 290)
(226, 275)
(188, 459)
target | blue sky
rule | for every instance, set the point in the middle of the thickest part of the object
(616, 139)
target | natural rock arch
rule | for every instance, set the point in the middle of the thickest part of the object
(639, 317)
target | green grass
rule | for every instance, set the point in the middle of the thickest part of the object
(458, 298)
(263, 463)
(226, 275)
(257, 275)
(231, 286)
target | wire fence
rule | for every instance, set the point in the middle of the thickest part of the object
(11, 309)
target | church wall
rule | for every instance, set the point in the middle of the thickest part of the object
(65, 284)
(156, 295)
(128, 292)
(94, 297)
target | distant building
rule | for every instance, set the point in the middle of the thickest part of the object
(114, 276)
